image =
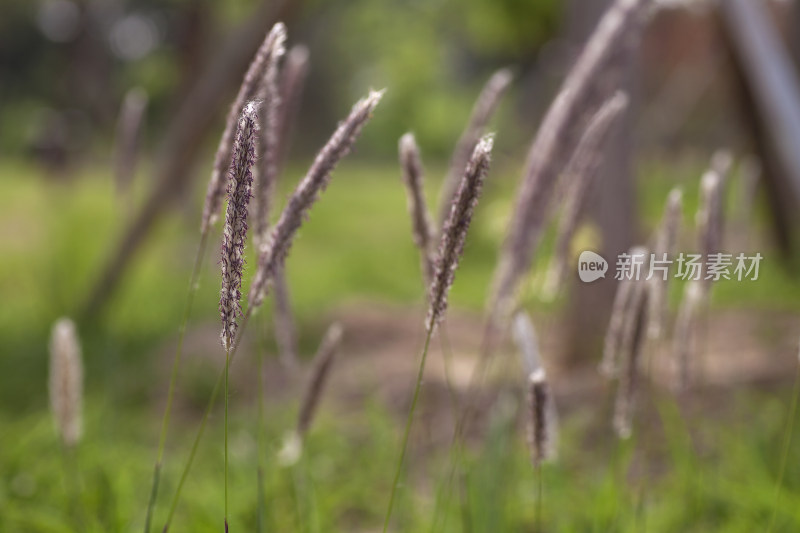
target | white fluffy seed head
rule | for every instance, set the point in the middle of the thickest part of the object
(291, 450)
(538, 376)
(525, 337)
(66, 381)
(722, 161)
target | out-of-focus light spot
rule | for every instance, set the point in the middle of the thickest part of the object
(58, 20)
(133, 37)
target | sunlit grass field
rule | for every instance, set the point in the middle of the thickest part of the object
(55, 235)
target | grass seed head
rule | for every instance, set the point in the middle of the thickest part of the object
(524, 335)
(482, 112)
(665, 242)
(454, 233)
(583, 166)
(274, 253)
(127, 137)
(542, 426)
(630, 352)
(421, 224)
(66, 381)
(234, 235)
(267, 156)
(247, 92)
(595, 74)
(323, 361)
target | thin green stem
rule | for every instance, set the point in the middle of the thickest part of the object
(196, 444)
(475, 381)
(188, 466)
(787, 442)
(162, 439)
(261, 496)
(299, 501)
(447, 356)
(69, 456)
(466, 516)
(407, 431)
(539, 496)
(260, 430)
(308, 495)
(227, 366)
(153, 494)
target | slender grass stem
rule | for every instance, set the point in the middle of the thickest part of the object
(466, 516)
(407, 431)
(188, 466)
(447, 357)
(227, 366)
(198, 261)
(299, 502)
(787, 443)
(201, 430)
(307, 494)
(260, 430)
(261, 497)
(153, 495)
(70, 462)
(539, 496)
(475, 381)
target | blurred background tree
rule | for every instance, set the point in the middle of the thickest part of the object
(66, 64)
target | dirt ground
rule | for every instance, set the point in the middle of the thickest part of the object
(380, 353)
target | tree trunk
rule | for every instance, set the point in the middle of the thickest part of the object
(611, 209)
(769, 96)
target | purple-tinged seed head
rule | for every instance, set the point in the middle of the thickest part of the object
(247, 91)
(482, 112)
(597, 68)
(421, 224)
(665, 242)
(323, 361)
(265, 171)
(273, 256)
(542, 426)
(630, 354)
(454, 232)
(581, 171)
(240, 181)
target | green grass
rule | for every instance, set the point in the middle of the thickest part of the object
(356, 247)
(726, 487)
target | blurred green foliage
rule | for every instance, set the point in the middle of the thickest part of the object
(682, 472)
(432, 55)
